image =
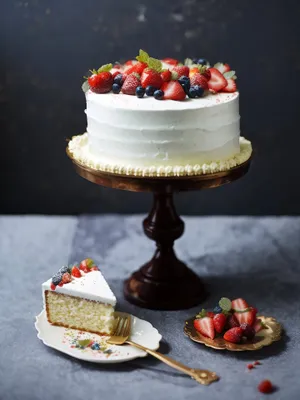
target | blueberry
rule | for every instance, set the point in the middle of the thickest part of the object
(217, 310)
(150, 90)
(192, 92)
(116, 88)
(118, 79)
(158, 94)
(186, 87)
(202, 61)
(199, 90)
(95, 346)
(194, 60)
(64, 269)
(184, 79)
(56, 279)
(140, 91)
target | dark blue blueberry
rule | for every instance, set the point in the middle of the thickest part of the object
(184, 79)
(116, 88)
(118, 79)
(199, 90)
(192, 92)
(217, 310)
(140, 91)
(150, 90)
(64, 269)
(95, 346)
(186, 87)
(202, 61)
(194, 60)
(158, 94)
(56, 279)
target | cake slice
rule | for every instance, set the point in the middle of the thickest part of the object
(79, 297)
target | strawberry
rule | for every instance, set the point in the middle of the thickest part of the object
(66, 278)
(61, 284)
(117, 66)
(173, 91)
(232, 322)
(246, 317)
(257, 363)
(219, 322)
(94, 268)
(265, 386)
(181, 70)
(166, 75)
(239, 304)
(170, 61)
(233, 335)
(85, 265)
(231, 86)
(101, 82)
(210, 314)
(129, 63)
(250, 366)
(222, 67)
(205, 326)
(130, 84)
(206, 74)
(138, 68)
(257, 325)
(52, 286)
(217, 81)
(114, 72)
(193, 71)
(151, 78)
(248, 331)
(198, 79)
(75, 272)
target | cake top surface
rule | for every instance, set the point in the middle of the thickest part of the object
(82, 281)
(166, 79)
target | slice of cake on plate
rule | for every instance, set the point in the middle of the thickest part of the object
(79, 297)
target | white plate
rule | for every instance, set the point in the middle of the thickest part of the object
(65, 340)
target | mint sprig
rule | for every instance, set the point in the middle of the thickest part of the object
(230, 75)
(155, 64)
(225, 304)
(201, 314)
(85, 86)
(143, 56)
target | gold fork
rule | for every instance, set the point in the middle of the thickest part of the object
(121, 334)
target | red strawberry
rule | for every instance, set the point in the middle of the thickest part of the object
(94, 268)
(75, 272)
(138, 68)
(170, 61)
(205, 326)
(166, 75)
(234, 335)
(257, 363)
(117, 66)
(219, 322)
(198, 79)
(181, 70)
(210, 314)
(246, 317)
(206, 74)
(250, 366)
(248, 331)
(193, 70)
(130, 84)
(84, 266)
(239, 304)
(101, 83)
(66, 278)
(61, 284)
(232, 322)
(173, 91)
(130, 62)
(222, 67)
(257, 325)
(265, 387)
(151, 78)
(52, 286)
(115, 72)
(231, 86)
(217, 81)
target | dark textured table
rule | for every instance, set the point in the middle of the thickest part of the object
(257, 258)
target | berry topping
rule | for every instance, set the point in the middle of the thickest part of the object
(140, 91)
(199, 90)
(119, 79)
(151, 78)
(206, 74)
(66, 278)
(158, 94)
(166, 75)
(192, 93)
(64, 269)
(205, 326)
(257, 363)
(129, 63)
(130, 84)
(233, 335)
(61, 284)
(246, 317)
(219, 322)
(173, 91)
(202, 61)
(95, 346)
(210, 314)
(222, 67)
(232, 322)
(94, 268)
(115, 72)
(180, 70)
(56, 279)
(116, 88)
(170, 61)
(52, 286)
(217, 81)
(150, 90)
(231, 86)
(200, 80)
(248, 331)
(239, 305)
(137, 68)
(75, 272)
(258, 325)
(217, 309)
(250, 366)
(101, 81)
(184, 80)
(225, 304)
(265, 387)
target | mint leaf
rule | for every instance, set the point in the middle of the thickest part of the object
(105, 68)
(85, 86)
(84, 342)
(219, 66)
(229, 74)
(202, 313)
(155, 64)
(225, 304)
(143, 56)
(188, 61)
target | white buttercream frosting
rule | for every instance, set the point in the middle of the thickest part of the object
(90, 286)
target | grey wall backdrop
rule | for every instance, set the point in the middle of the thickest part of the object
(47, 46)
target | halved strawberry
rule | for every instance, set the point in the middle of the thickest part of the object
(166, 75)
(66, 278)
(199, 79)
(173, 91)
(219, 321)
(257, 325)
(246, 317)
(101, 82)
(231, 86)
(234, 335)
(130, 84)
(239, 304)
(75, 272)
(217, 81)
(130, 62)
(222, 67)
(151, 78)
(138, 68)
(170, 61)
(210, 314)
(180, 70)
(232, 322)
(205, 326)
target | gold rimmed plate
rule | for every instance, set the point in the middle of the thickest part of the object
(265, 337)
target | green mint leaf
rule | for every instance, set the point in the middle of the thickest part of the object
(219, 66)
(85, 86)
(225, 304)
(143, 56)
(105, 68)
(174, 76)
(188, 61)
(202, 68)
(202, 313)
(229, 74)
(84, 342)
(264, 326)
(155, 64)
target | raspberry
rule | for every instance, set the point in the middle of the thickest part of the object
(52, 286)
(257, 363)
(250, 366)
(265, 387)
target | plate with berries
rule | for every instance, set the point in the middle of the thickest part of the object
(233, 325)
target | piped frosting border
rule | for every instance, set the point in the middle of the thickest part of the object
(78, 148)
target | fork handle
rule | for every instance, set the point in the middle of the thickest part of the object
(200, 375)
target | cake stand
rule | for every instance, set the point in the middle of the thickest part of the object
(164, 282)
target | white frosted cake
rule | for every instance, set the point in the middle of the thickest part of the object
(146, 120)
(79, 297)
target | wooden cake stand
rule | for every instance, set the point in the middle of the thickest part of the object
(164, 282)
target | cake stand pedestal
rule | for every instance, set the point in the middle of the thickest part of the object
(164, 282)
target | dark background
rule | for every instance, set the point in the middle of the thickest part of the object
(47, 46)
